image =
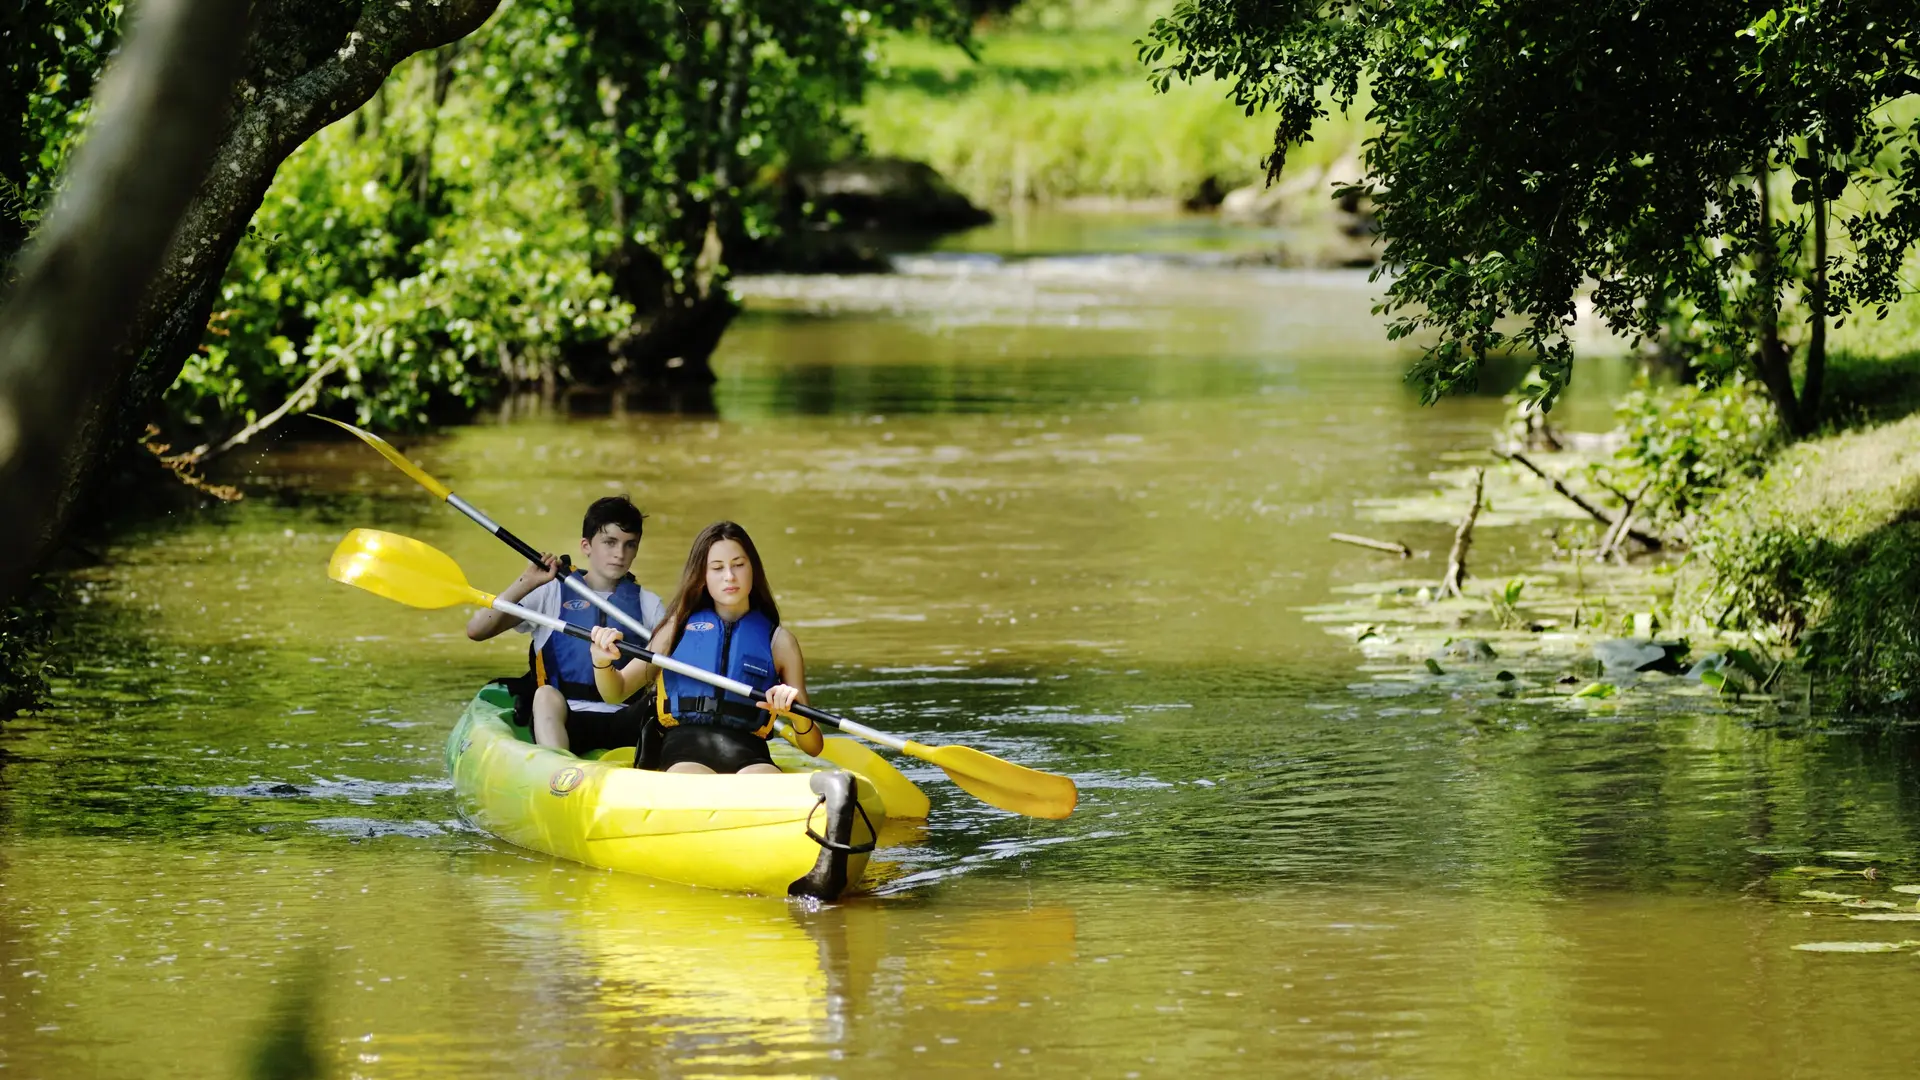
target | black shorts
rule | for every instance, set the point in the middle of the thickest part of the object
(591, 731)
(721, 749)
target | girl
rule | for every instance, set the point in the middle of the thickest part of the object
(723, 619)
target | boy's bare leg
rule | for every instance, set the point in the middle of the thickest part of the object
(689, 767)
(550, 718)
(759, 767)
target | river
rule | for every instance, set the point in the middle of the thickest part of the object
(1059, 504)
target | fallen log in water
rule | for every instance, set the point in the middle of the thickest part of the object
(1389, 546)
(1652, 542)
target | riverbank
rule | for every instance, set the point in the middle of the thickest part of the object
(1820, 553)
(1779, 573)
(1058, 109)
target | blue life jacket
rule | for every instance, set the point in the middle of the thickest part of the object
(567, 662)
(742, 651)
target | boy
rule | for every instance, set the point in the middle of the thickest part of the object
(567, 712)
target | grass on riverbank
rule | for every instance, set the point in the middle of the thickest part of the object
(1822, 550)
(1058, 107)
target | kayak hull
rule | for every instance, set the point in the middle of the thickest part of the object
(740, 833)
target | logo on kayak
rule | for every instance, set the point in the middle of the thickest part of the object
(700, 627)
(565, 780)
(465, 744)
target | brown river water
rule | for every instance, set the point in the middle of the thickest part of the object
(1063, 507)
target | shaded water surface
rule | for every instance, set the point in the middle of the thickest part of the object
(1060, 508)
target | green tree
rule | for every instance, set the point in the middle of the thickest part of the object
(700, 106)
(411, 261)
(302, 66)
(50, 54)
(1730, 170)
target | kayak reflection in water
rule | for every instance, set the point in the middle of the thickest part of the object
(723, 619)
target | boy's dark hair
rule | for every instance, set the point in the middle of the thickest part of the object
(612, 510)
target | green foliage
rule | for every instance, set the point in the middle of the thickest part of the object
(26, 635)
(1689, 158)
(1506, 605)
(1867, 388)
(1054, 108)
(701, 105)
(1687, 445)
(1820, 552)
(425, 246)
(53, 51)
(501, 208)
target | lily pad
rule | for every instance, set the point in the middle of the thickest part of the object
(1724, 682)
(1887, 916)
(1821, 871)
(1707, 662)
(1625, 654)
(1851, 946)
(1821, 894)
(1880, 905)
(1786, 850)
(1745, 661)
(1466, 650)
(1851, 856)
(1597, 690)
(1910, 890)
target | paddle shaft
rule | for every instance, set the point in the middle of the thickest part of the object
(702, 674)
(580, 588)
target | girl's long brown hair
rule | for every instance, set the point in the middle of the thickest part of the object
(692, 594)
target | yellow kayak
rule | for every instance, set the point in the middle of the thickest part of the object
(805, 832)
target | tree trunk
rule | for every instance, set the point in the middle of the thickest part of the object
(149, 149)
(1773, 363)
(722, 227)
(305, 66)
(1809, 407)
(443, 59)
(680, 317)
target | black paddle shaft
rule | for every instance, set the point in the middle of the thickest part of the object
(638, 653)
(527, 550)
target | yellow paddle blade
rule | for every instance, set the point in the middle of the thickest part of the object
(402, 568)
(440, 490)
(1002, 783)
(903, 798)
